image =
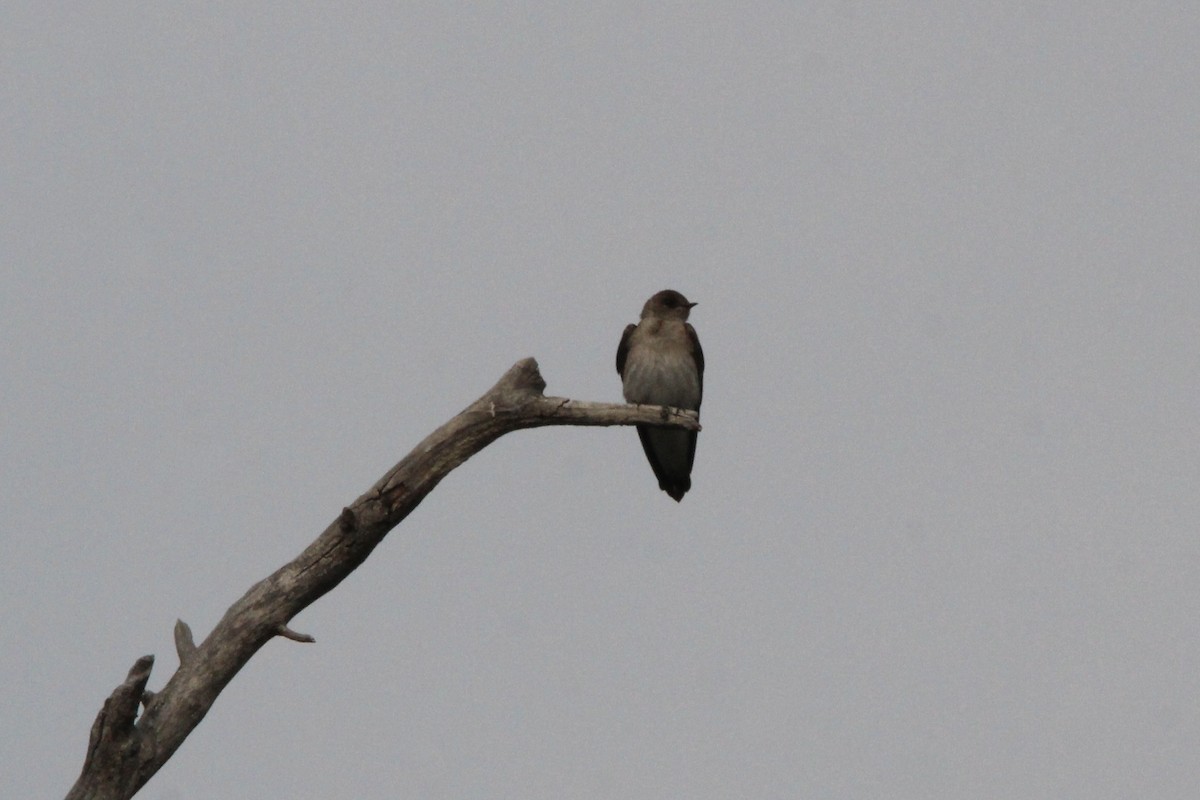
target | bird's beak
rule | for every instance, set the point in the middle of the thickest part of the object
(692, 305)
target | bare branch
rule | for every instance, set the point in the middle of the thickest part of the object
(123, 755)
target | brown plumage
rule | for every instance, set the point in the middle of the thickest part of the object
(661, 363)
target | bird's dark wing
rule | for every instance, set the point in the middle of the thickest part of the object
(698, 353)
(623, 348)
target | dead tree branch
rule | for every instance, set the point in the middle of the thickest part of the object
(124, 751)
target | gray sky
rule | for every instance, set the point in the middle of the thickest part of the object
(942, 538)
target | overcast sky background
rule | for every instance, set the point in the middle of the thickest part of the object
(942, 538)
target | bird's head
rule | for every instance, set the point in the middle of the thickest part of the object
(667, 304)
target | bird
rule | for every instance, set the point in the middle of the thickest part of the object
(660, 363)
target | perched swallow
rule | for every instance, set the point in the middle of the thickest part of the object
(661, 363)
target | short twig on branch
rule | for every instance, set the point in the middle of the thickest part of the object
(185, 645)
(288, 633)
(124, 752)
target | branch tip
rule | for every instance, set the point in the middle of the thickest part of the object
(140, 671)
(122, 705)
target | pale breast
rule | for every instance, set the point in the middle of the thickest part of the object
(660, 369)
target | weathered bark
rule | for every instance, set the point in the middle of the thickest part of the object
(124, 752)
